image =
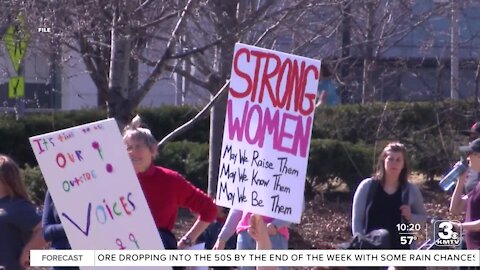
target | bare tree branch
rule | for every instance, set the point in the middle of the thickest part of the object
(152, 78)
(187, 75)
(159, 20)
(197, 50)
(200, 115)
(143, 5)
(92, 68)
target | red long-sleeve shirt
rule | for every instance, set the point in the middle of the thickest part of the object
(166, 190)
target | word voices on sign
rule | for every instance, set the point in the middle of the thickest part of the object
(123, 206)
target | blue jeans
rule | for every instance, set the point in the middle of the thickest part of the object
(246, 242)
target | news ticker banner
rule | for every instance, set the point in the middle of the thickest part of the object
(298, 258)
(268, 127)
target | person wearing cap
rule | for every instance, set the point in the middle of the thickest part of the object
(473, 132)
(470, 203)
(472, 177)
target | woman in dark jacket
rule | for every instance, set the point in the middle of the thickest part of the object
(53, 229)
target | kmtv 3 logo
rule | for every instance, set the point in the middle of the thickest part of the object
(445, 234)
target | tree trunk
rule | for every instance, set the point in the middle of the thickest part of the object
(217, 122)
(133, 75)
(227, 10)
(367, 91)
(346, 28)
(454, 66)
(119, 105)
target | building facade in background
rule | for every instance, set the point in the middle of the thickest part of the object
(408, 57)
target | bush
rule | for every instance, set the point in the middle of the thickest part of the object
(429, 130)
(330, 159)
(391, 121)
(14, 133)
(188, 158)
(35, 183)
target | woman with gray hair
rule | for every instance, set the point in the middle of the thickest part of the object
(166, 190)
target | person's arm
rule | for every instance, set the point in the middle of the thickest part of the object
(458, 203)
(35, 242)
(473, 226)
(191, 236)
(26, 220)
(280, 223)
(259, 231)
(419, 214)
(50, 228)
(228, 229)
(198, 202)
(359, 205)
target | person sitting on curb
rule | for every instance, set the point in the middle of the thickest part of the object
(388, 198)
(166, 190)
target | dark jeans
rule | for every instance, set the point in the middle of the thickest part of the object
(209, 237)
(169, 242)
(168, 239)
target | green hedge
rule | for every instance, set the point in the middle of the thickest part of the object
(330, 159)
(429, 129)
(188, 158)
(387, 121)
(14, 134)
(35, 183)
(164, 120)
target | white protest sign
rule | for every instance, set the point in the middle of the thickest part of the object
(267, 132)
(95, 189)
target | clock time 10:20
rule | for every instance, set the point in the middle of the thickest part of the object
(408, 227)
